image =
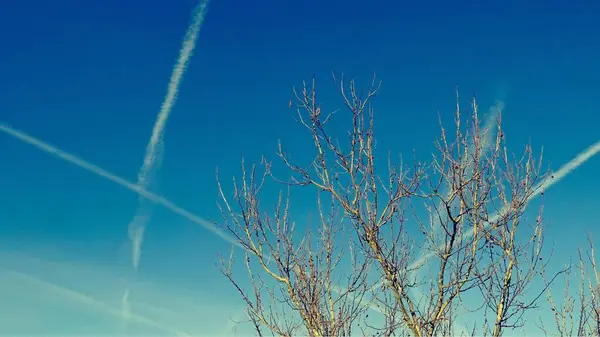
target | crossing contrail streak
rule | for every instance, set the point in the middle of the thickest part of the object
(489, 129)
(154, 149)
(569, 167)
(566, 169)
(118, 180)
(89, 301)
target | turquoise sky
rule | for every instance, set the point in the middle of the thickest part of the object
(89, 77)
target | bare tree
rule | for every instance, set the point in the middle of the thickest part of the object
(578, 314)
(303, 297)
(468, 202)
(514, 260)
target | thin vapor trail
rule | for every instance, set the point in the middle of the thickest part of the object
(125, 308)
(489, 129)
(89, 301)
(544, 185)
(22, 136)
(566, 169)
(154, 148)
(569, 167)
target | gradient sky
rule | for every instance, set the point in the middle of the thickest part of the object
(89, 78)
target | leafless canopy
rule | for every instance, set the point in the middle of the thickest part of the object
(425, 233)
(577, 311)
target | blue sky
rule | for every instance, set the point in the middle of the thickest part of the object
(89, 78)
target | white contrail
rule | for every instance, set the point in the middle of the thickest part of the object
(154, 148)
(569, 167)
(559, 175)
(125, 309)
(90, 301)
(489, 130)
(118, 180)
(544, 185)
